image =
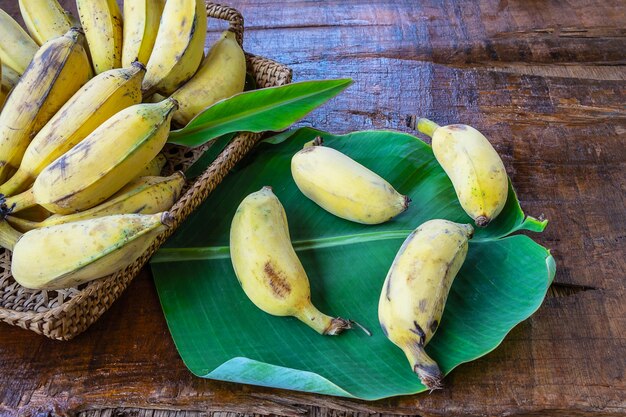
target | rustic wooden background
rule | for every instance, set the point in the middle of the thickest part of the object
(545, 80)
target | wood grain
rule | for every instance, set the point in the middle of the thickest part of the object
(544, 80)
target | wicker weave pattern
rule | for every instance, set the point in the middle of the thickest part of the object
(66, 313)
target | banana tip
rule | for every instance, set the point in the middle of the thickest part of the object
(430, 375)
(167, 219)
(268, 188)
(136, 63)
(482, 221)
(407, 201)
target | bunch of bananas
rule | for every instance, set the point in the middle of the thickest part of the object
(86, 106)
(416, 288)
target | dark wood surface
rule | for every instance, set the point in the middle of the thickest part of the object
(544, 80)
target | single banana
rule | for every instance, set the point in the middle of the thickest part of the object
(267, 266)
(99, 166)
(44, 19)
(71, 254)
(17, 49)
(154, 167)
(3, 92)
(98, 100)
(146, 195)
(102, 22)
(57, 71)
(141, 24)
(474, 167)
(178, 47)
(221, 75)
(345, 188)
(416, 288)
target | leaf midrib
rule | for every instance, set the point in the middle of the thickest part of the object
(222, 252)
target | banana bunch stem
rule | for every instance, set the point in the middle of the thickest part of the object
(427, 127)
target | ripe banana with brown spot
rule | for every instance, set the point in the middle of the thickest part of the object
(141, 24)
(102, 22)
(416, 289)
(178, 47)
(345, 188)
(44, 19)
(100, 165)
(474, 167)
(221, 75)
(57, 71)
(17, 49)
(71, 254)
(267, 266)
(146, 195)
(98, 100)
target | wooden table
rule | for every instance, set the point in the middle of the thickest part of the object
(545, 80)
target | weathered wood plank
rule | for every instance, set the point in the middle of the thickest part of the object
(544, 80)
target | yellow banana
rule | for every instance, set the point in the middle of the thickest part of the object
(102, 22)
(474, 167)
(57, 71)
(44, 19)
(416, 289)
(3, 92)
(146, 195)
(344, 187)
(267, 266)
(141, 24)
(97, 101)
(17, 49)
(221, 75)
(154, 167)
(71, 254)
(178, 47)
(99, 166)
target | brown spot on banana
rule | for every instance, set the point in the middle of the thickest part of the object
(279, 285)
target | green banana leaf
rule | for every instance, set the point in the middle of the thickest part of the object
(266, 109)
(221, 335)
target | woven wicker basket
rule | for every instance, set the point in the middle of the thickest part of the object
(66, 313)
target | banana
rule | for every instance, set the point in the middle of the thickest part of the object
(71, 254)
(267, 266)
(102, 22)
(57, 71)
(98, 100)
(17, 49)
(10, 77)
(474, 167)
(3, 92)
(222, 75)
(141, 24)
(45, 19)
(154, 167)
(100, 165)
(416, 288)
(178, 47)
(146, 195)
(344, 187)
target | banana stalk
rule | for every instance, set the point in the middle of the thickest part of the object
(146, 195)
(100, 165)
(416, 289)
(57, 71)
(343, 187)
(72, 254)
(102, 22)
(17, 49)
(222, 75)
(44, 19)
(474, 167)
(267, 266)
(178, 47)
(97, 101)
(141, 24)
